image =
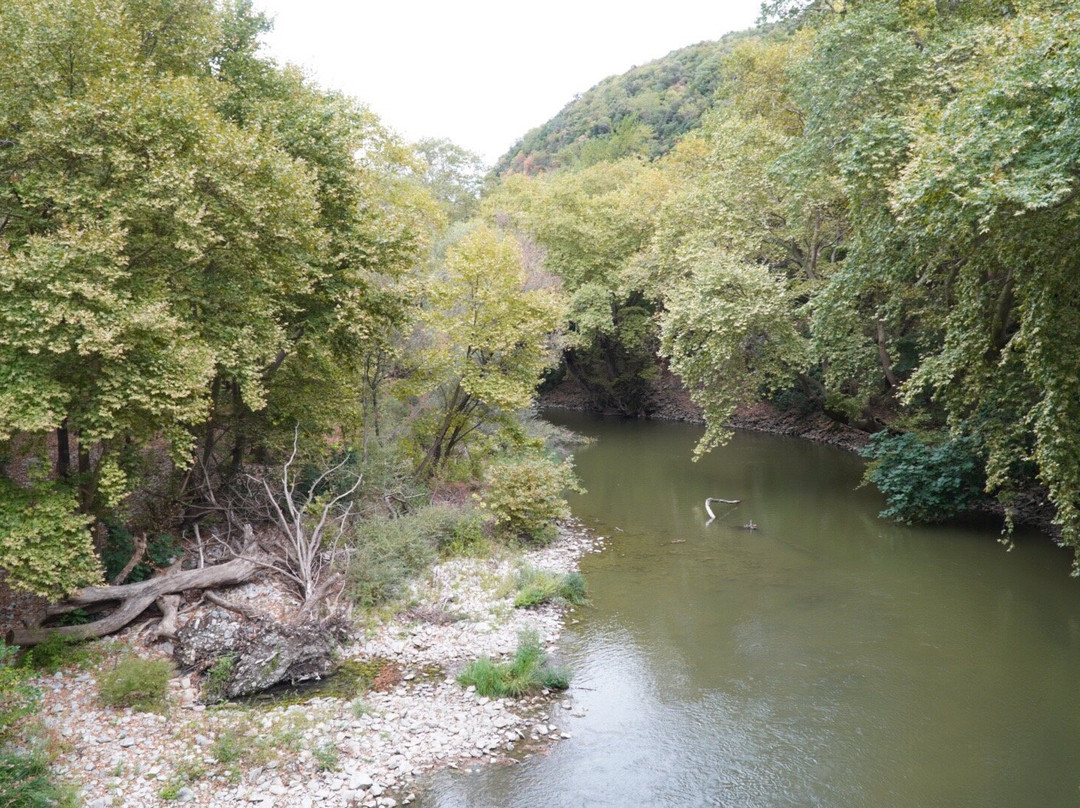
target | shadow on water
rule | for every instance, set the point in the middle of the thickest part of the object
(827, 658)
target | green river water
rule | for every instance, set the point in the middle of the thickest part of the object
(828, 658)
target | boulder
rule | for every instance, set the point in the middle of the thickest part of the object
(257, 654)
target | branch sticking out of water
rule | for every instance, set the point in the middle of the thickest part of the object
(712, 516)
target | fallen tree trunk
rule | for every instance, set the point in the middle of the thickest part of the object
(135, 599)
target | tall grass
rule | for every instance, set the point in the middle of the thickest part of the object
(528, 672)
(536, 586)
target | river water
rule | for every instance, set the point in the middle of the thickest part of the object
(827, 658)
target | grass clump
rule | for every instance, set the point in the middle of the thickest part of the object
(230, 745)
(536, 587)
(528, 672)
(141, 684)
(58, 652)
(217, 677)
(26, 779)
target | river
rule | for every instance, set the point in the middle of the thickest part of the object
(827, 658)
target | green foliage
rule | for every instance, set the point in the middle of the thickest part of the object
(592, 223)
(58, 652)
(194, 243)
(536, 587)
(454, 175)
(528, 672)
(526, 495)
(135, 682)
(18, 699)
(383, 554)
(728, 334)
(161, 550)
(326, 755)
(643, 112)
(45, 544)
(26, 781)
(922, 481)
(229, 745)
(217, 677)
(486, 341)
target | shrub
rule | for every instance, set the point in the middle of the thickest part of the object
(384, 553)
(535, 587)
(525, 495)
(528, 672)
(136, 682)
(924, 481)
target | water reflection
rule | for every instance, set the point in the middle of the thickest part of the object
(825, 659)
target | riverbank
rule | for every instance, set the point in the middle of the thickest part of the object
(671, 402)
(364, 749)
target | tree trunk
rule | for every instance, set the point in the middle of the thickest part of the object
(134, 599)
(883, 355)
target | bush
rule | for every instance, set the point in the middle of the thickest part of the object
(384, 553)
(535, 587)
(525, 495)
(528, 672)
(136, 682)
(923, 481)
(45, 544)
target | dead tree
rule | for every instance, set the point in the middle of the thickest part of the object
(310, 529)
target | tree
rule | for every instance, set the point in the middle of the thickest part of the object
(454, 175)
(486, 339)
(728, 333)
(190, 248)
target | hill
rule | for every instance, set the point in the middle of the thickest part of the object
(643, 111)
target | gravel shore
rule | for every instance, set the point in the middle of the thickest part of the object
(328, 751)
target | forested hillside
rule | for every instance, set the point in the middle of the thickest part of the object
(875, 219)
(642, 112)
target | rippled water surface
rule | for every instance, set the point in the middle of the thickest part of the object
(827, 658)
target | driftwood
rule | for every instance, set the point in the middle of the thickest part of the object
(135, 599)
(225, 603)
(170, 608)
(708, 510)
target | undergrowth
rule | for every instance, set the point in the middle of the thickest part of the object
(132, 681)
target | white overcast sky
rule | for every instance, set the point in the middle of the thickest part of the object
(480, 72)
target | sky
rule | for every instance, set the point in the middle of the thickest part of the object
(481, 72)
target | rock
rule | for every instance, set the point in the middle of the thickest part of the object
(263, 653)
(185, 795)
(360, 782)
